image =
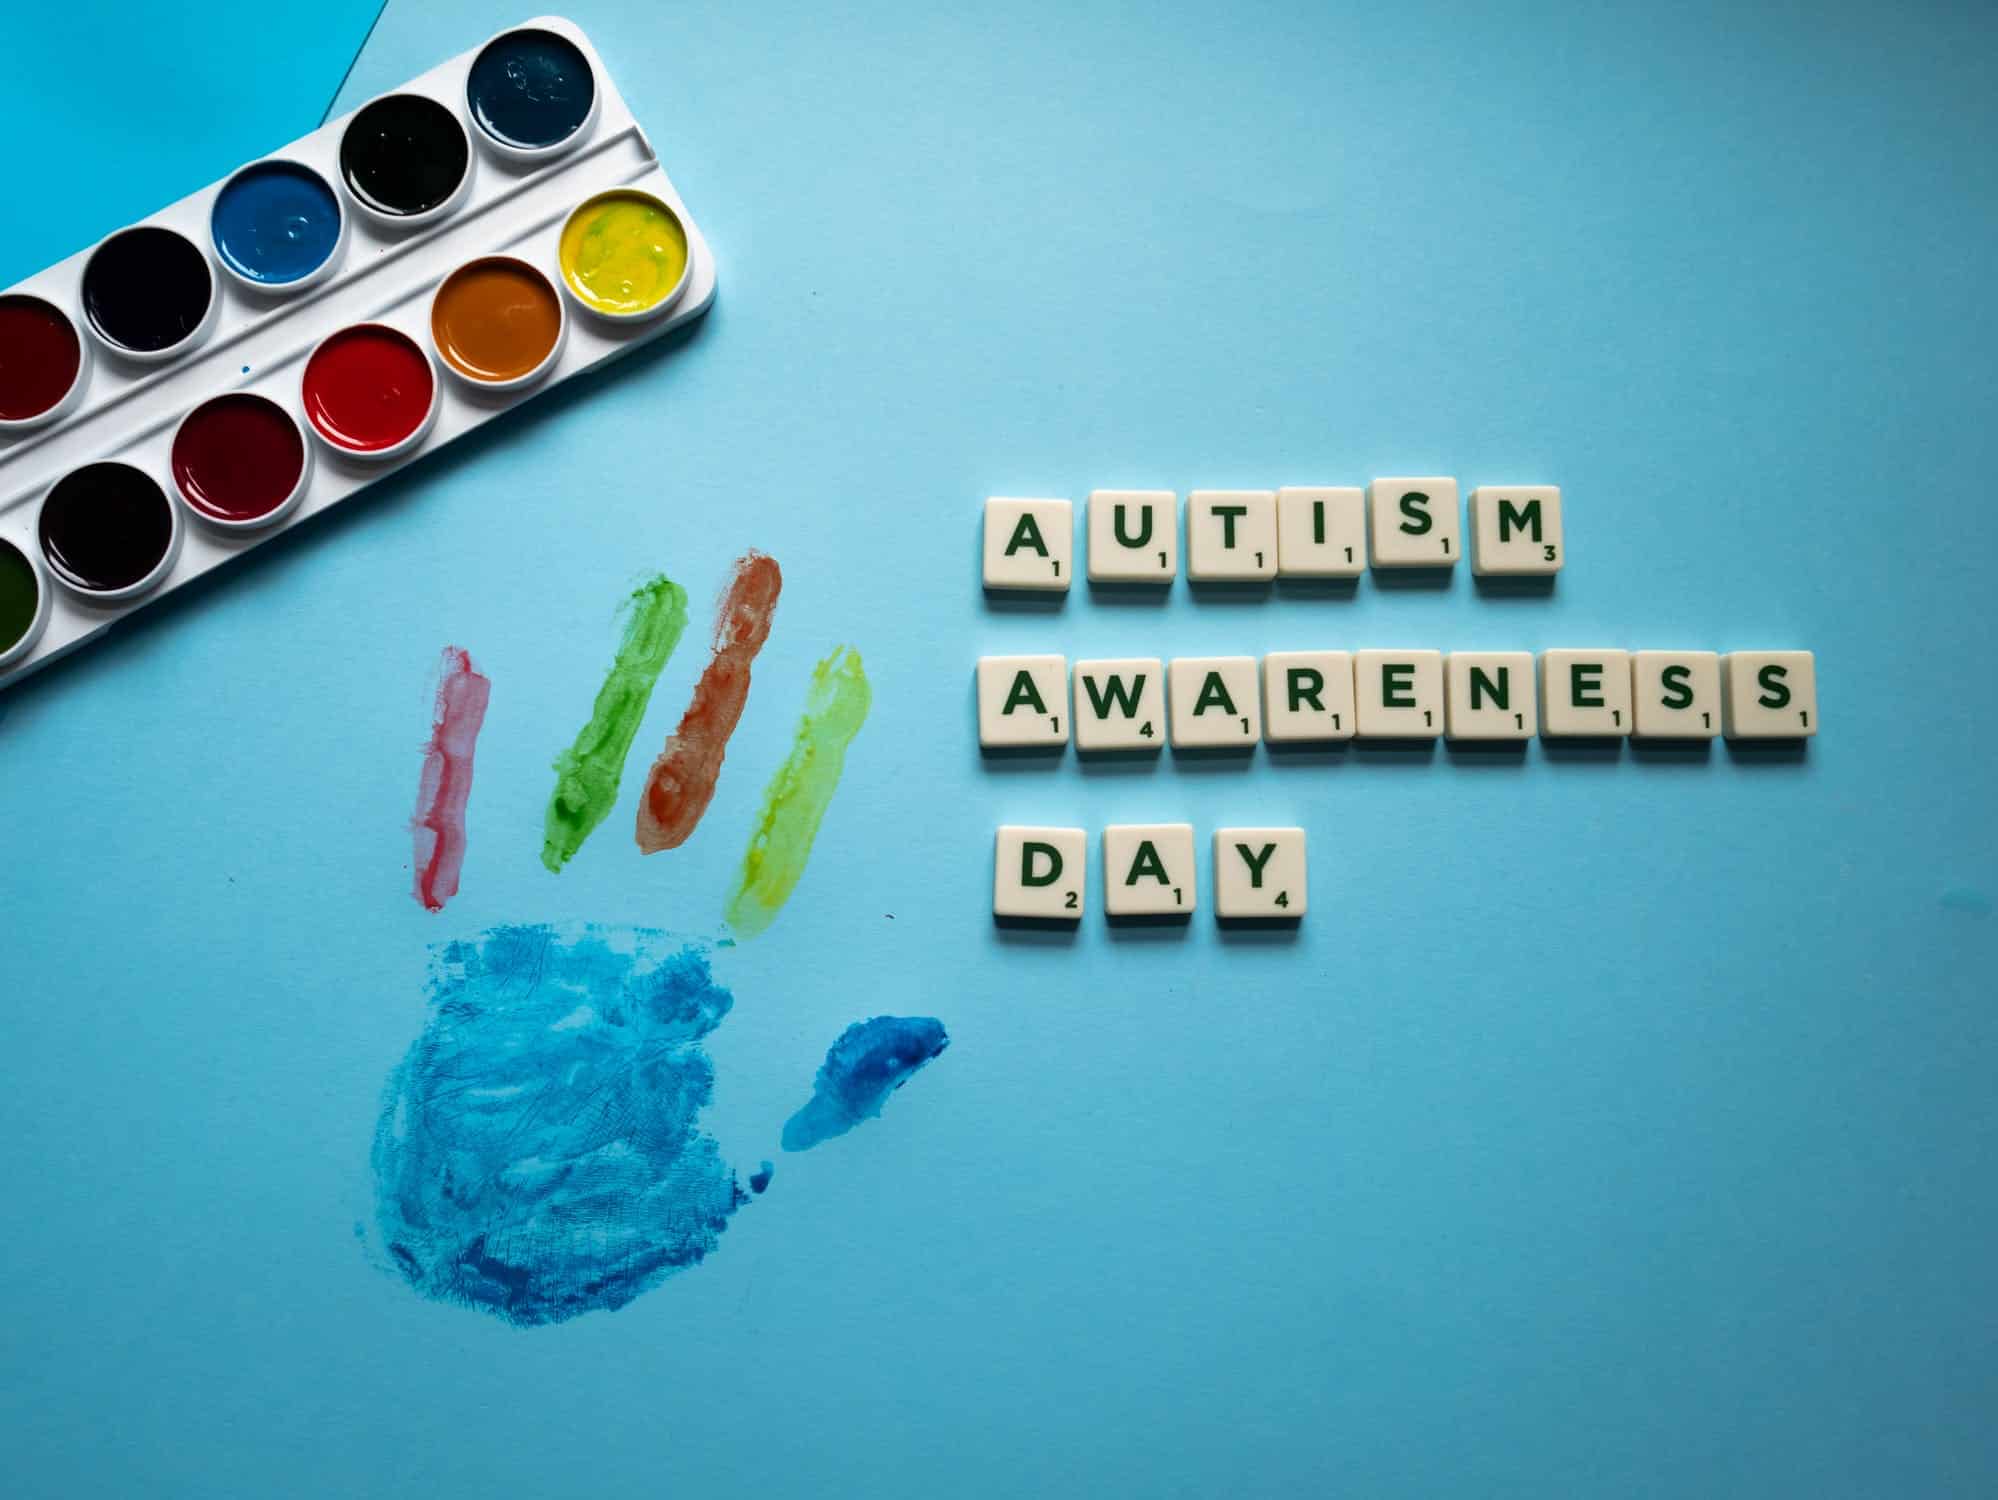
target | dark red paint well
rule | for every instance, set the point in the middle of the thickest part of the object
(238, 457)
(39, 356)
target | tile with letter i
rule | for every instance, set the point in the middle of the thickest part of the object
(1259, 872)
(1029, 544)
(1148, 870)
(1398, 695)
(1516, 529)
(1307, 695)
(1022, 701)
(1231, 536)
(1133, 536)
(1321, 533)
(1675, 695)
(1414, 523)
(1039, 872)
(1214, 702)
(1769, 695)
(1584, 694)
(1120, 704)
(1490, 695)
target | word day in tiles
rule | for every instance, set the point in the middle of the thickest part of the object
(1133, 705)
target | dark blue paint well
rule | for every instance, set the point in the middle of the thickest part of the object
(871, 1060)
(530, 88)
(276, 222)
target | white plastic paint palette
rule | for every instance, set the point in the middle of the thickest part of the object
(368, 297)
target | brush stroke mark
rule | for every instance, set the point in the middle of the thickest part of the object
(682, 780)
(588, 772)
(538, 1154)
(796, 800)
(760, 1178)
(439, 823)
(871, 1060)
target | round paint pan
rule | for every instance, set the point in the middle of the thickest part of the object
(405, 160)
(533, 95)
(43, 361)
(149, 293)
(624, 255)
(370, 392)
(24, 603)
(278, 227)
(240, 462)
(498, 323)
(108, 532)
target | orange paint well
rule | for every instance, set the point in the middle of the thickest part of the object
(496, 320)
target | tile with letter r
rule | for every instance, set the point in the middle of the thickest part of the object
(1398, 695)
(1022, 701)
(1259, 872)
(1321, 533)
(1148, 870)
(1584, 694)
(1516, 529)
(1040, 872)
(1133, 536)
(1214, 702)
(1769, 695)
(1231, 536)
(1490, 695)
(1414, 523)
(1307, 695)
(1120, 703)
(1029, 544)
(1675, 695)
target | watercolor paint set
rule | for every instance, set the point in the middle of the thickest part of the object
(201, 381)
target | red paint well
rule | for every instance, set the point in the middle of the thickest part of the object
(368, 388)
(238, 457)
(39, 357)
(439, 824)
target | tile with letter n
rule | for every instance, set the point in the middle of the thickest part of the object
(1231, 536)
(1414, 523)
(1133, 536)
(1120, 704)
(1148, 870)
(1769, 695)
(1490, 695)
(1516, 529)
(1040, 872)
(1321, 533)
(1584, 694)
(1675, 695)
(1307, 695)
(1398, 695)
(1214, 702)
(1029, 544)
(1022, 701)
(1259, 872)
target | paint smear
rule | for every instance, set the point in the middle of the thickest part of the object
(869, 1062)
(682, 781)
(798, 795)
(539, 1154)
(439, 824)
(760, 1178)
(588, 772)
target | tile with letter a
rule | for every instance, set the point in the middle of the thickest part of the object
(1321, 533)
(1414, 523)
(1307, 695)
(1231, 536)
(1584, 694)
(1490, 695)
(1022, 700)
(1148, 870)
(1133, 536)
(1516, 529)
(1675, 695)
(1259, 872)
(1398, 695)
(1120, 704)
(1214, 702)
(1769, 695)
(1029, 544)
(1040, 872)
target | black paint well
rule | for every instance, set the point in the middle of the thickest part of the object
(146, 289)
(105, 526)
(404, 154)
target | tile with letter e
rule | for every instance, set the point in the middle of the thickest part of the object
(1214, 702)
(1321, 533)
(1769, 695)
(1398, 695)
(1414, 523)
(1022, 700)
(1231, 536)
(1120, 704)
(1675, 695)
(1307, 695)
(1490, 695)
(1029, 544)
(1584, 694)
(1259, 872)
(1148, 870)
(1040, 872)
(1133, 536)
(1516, 529)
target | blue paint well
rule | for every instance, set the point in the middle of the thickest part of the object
(871, 1060)
(530, 88)
(538, 1154)
(276, 222)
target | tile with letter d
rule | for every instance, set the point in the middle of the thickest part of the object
(1516, 529)
(1490, 695)
(1214, 702)
(1040, 872)
(1259, 872)
(1022, 700)
(1133, 536)
(1398, 695)
(1675, 695)
(1321, 533)
(1148, 870)
(1769, 695)
(1414, 523)
(1029, 544)
(1120, 704)
(1231, 535)
(1584, 694)
(1307, 695)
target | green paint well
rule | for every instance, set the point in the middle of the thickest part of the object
(19, 597)
(796, 800)
(588, 772)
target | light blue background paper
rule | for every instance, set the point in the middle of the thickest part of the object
(1614, 1125)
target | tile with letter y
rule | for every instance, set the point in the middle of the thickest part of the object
(1259, 873)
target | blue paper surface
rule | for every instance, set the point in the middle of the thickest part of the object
(1614, 1124)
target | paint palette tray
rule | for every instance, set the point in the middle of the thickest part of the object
(267, 347)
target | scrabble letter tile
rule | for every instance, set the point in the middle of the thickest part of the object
(1133, 536)
(1259, 872)
(1022, 700)
(1414, 523)
(1490, 695)
(1584, 693)
(1307, 695)
(1231, 535)
(1321, 533)
(1214, 701)
(1029, 544)
(1148, 870)
(1516, 528)
(1040, 872)
(1120, 704)
(1675, 695)
(1769, 695)
(1398, 695)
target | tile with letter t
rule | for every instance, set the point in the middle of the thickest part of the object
(1133, 536)
(1321, 533)
(1675, 695)
(1022, 701)
(1231, 536)
(1259, 872)
(1516, 529)
(1414, 523)
(1490, 695)
(1307, 695)
(1040, 872)
(1214, 702)
(1398, 695)
(1120, 704)
(1584, 694)
(1769, 695)
(1029, 544)
(1148, 870)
